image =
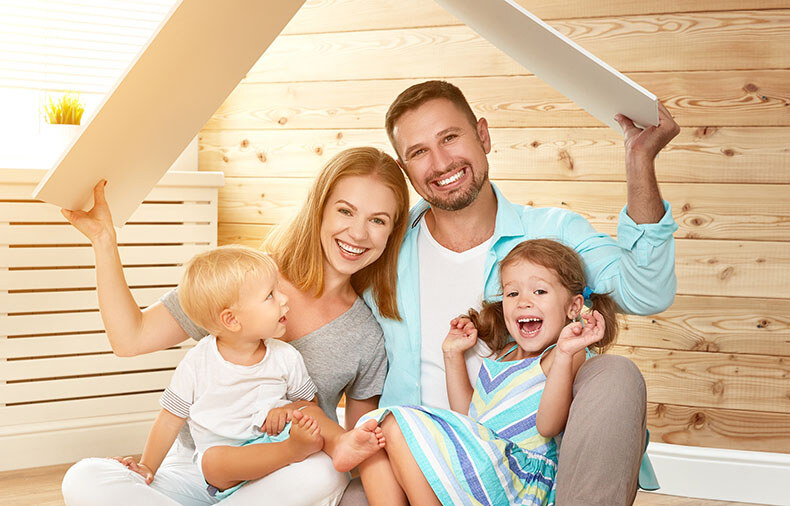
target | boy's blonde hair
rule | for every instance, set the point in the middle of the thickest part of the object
(212, 280)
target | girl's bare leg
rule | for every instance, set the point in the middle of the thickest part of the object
(405, 468)
(378, 479)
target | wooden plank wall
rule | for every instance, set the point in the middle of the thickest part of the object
(717, 362)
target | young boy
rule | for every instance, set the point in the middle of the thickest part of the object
(236, 383)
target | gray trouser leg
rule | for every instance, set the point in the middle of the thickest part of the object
(354, 494)
(602, 446)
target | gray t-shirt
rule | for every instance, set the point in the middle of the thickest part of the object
(346, 355)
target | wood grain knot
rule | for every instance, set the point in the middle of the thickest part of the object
(245, 143)
(225, 159)
(319, 150)
(698, 420)
(705, 131)
(282, 120)
(339, 135)
(718, 388)
(727, 273)
(763, 324)
(565, 159)
(704, 345)
(535, 144)
(750, 87)
(728, 152)
(686, 208)
(261, 156)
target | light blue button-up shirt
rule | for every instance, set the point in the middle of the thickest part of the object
(638, 270)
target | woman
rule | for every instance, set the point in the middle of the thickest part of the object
(345, 240)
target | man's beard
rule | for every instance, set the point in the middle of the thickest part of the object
(460, 198)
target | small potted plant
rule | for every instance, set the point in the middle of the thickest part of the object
(62, 116)
(65, 111)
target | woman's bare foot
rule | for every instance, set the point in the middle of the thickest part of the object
(356, 445)
(305, 436)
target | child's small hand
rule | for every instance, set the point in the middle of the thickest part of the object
(575, 337)
(276, 420)
(462, 336)
(139, 468)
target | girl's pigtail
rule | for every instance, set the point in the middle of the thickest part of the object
(490, 325)
(608, 308)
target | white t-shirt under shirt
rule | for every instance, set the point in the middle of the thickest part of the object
(450, 284)
(226, 403)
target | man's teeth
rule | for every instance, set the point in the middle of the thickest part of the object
(525, 320)
(350, 249)
(452, 179)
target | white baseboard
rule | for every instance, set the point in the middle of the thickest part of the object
(53, 443)
(730, 475)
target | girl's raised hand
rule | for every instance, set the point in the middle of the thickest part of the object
(96, 222)
(575, 337)
(462, 336)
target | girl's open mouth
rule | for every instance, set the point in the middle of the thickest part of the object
(529, 326)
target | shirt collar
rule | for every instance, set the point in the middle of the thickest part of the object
(508, 218)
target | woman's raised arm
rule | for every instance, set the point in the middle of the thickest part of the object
(130, 331)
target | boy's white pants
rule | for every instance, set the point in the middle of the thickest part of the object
(102, 482)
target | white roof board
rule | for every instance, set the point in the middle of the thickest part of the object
(564, 65)
(193, 61)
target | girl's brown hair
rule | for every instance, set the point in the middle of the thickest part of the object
(296, 246)
(566, 263)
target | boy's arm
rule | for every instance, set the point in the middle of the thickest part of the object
(160, 439)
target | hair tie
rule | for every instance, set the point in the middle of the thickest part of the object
(586, 293)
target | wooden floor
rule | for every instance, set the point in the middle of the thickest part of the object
(41, 487)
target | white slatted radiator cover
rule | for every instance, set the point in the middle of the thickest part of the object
(63, 394)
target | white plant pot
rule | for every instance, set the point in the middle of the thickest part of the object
(55, 139)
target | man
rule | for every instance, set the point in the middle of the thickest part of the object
(464, 226)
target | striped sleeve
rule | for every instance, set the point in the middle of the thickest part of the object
(300, 385)
(174, 404)
(179, 395)
(306, 392)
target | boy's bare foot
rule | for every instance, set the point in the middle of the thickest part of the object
(356, 445)
(305, 436)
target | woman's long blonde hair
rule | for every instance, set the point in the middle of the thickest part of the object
(296, 246)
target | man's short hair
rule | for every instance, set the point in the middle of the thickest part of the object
(414, 96)
(212, 280)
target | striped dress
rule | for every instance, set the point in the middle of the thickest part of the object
(494, 456)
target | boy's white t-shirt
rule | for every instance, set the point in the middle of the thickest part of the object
(226, 403)
(450, 284)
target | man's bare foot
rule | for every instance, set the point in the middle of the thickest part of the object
(305, 436)
(358, 444)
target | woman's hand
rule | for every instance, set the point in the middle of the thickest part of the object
(138, 467)
(576, 337)
(96, 223)
(462, 336)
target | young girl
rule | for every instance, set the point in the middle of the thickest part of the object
(497, 445)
